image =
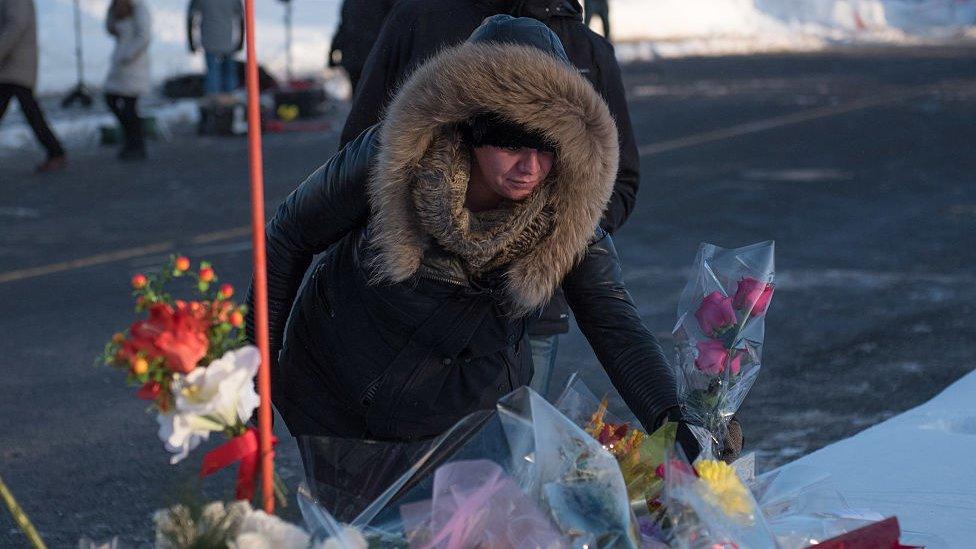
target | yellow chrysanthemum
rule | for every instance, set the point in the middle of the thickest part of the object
(725, 487)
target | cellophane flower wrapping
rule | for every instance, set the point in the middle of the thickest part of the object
(803, 507)
(559, 469)
(709, 506)
(719, 335)
(475, 504)
(638, 454)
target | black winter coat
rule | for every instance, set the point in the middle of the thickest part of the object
(359, 25)
(408, 360)
(417, 29)
(394, 338)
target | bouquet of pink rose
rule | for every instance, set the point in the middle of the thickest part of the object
(719, 335)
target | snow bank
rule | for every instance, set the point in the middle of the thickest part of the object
(314, 25)
(652, 27)
(82, 128)
(917, 466)
(671, 28)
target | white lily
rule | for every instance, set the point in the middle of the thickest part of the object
(211, 398)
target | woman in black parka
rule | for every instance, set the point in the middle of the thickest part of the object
(446, 227)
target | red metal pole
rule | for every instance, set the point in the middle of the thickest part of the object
(260, 270)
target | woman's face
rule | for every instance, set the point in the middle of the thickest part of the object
(510, 172)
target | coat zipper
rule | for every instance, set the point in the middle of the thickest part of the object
(447, 279)
(370, 393)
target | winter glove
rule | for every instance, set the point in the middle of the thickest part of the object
(688, 441)
(733, 441)
(684, 437)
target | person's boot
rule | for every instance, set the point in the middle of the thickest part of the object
(53, 164)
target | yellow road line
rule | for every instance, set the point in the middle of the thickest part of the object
(89, 261)
(803, 116)
(119, 255)
(645, 150)
(221, 235)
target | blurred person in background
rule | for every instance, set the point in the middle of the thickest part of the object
(18, 75)
(221, 30)
(128, 76)
(417, 29)
(601, 9)
(359, 25)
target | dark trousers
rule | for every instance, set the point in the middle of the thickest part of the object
(124, 108)
(32, 111)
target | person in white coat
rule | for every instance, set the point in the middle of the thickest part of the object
(130, 23)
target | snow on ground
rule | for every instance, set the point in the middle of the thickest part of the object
(82, 128)
(645, 29)
(660, 27)
(314, 24)
(642, 29)
(917, 466)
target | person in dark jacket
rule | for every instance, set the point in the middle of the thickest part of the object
(221, 33)
(359, 25)
(601, 9)
(416, 29)
(445, 228)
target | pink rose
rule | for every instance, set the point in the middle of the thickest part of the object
(752, 292)
(715, 314)
(713, 357)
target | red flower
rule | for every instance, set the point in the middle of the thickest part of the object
(611, 434)
(226, 291)
(715, 314)
(179, 336)
(221, 310)
(237, 319)
(150, 390)
(139, 281)
(752, 293)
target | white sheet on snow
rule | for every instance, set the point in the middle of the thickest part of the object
(919, 466)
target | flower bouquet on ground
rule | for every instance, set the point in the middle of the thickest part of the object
(709, 506)
(520, 472)
(638, 454)
(190, 361)
(719, 335)
(235, 525)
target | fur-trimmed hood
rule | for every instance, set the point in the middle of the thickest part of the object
(528, 87)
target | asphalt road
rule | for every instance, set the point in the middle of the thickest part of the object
(860, 166)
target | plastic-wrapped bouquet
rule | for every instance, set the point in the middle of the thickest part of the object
(708, 505)
(523, 471)
(719, 335)
(638, 454)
